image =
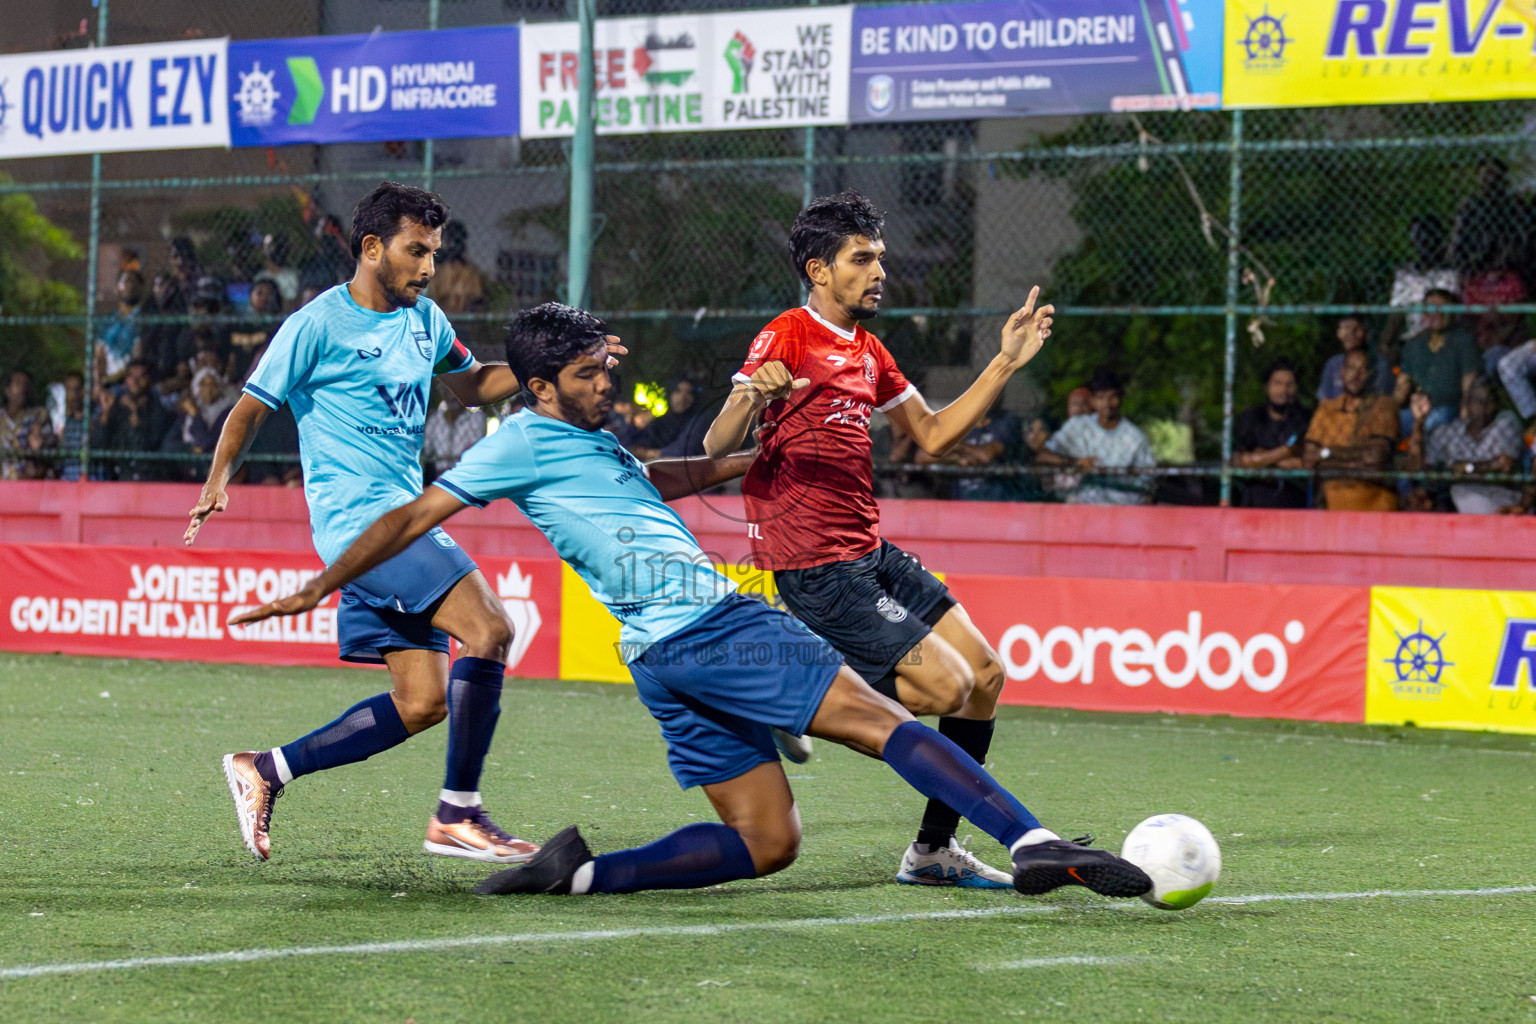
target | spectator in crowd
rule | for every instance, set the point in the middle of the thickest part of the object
(1079, 402)
(459, 287)
(1498, 333)
(118, 341)
(69, 425)
(275, 268)
(1351, 335)
(1357, 430)
(621, 421)
(1038, 486)
(245, 340)
(1492, 226)
(203, 411)
(678, 431)
(1270, 436)
(308, 294)
(1479, 441)
(1426, 273)
(994, 441)
(164, 345)
(183, 264)
(1516, 370)
(1103, 439)
(133, 422)
(242, 249)
(206, 304)
(331, 262)
(18, 418)
(1441, 361)
(451, 429)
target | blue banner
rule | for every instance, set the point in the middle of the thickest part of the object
(455, 83)
(1017, 57)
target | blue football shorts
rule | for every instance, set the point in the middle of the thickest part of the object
(391, 605)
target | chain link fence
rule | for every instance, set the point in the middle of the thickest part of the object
(1187, 250)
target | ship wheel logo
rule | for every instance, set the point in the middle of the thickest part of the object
(1419, 658)
(1266, 38)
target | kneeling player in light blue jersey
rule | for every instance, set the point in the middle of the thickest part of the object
(716, 669)
(356, 366)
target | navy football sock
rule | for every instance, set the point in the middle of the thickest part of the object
(364, 729)
(474, 704)
(936, 768)
(704, 853)
(975, 738)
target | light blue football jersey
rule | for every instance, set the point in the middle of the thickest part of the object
(357, 382)
(592, 499)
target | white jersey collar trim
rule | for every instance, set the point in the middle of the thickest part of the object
(845, 335)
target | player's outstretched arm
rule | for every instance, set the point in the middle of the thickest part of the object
(678, 478)
(390, 534)
(937, 432)
(486, 383)
(769, 382)
(234, 441)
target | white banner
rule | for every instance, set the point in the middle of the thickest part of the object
(114, 98)
(688, 73)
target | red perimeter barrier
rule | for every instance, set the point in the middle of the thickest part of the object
(1209, 544)
(1272, 651)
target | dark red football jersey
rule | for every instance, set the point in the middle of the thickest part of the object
(810, 494)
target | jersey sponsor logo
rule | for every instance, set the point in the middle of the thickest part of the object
(869, 368)
(836, 360)
(423, 342)
(889, 607)
(374, 353)
(851, 411)
(760, 345)
(408, 400)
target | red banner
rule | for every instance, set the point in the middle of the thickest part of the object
(174, 603)
(1252, 651)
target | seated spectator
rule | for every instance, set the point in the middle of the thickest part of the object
(458, 287)
(1427, 272)
(450, 430)
(118, 341)
(1441, 361)
(246, 339)
(164, 345)
(1477, 442)
(204, 410)
(68, 422)
(1516, 370)
(1079, 402)
(1492, 225)
(18, 418)
(1357, 430)
(1497, 332)
(1103, 439)
(275, 268)
(1270, 436)
(132, 422)
(995, 440)
(1351, 335)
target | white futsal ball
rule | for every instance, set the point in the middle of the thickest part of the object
(1180, 856)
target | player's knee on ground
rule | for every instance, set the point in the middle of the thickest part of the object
(421, 712)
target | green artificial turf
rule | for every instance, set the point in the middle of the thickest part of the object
(117, 840)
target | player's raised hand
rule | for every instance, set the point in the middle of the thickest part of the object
(293, 604)
(213, 499)
(773, 381)
(615, 349)
(1027, 330)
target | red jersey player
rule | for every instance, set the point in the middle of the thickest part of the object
(816, 375)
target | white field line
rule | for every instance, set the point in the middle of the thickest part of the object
(1283, 737)
(1062, 961)
(678, 931)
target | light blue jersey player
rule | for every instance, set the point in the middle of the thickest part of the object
(716, 669)
(356, 366)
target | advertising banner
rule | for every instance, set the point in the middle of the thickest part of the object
(174, 603)
(1196, 648)
(1306, 53)
(689, 73)
(113, 99)
(453, 83)
(960, 61)
(1454, 659)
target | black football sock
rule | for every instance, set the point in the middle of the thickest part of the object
(973, 736)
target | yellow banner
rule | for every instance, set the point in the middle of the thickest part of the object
(1306, 53)
(1452, 659)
